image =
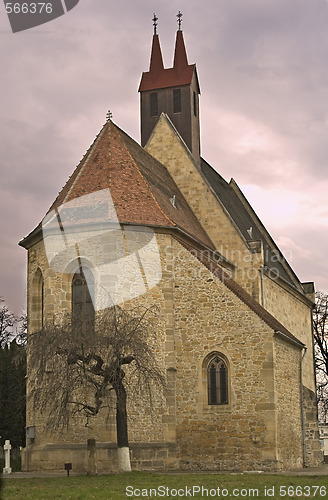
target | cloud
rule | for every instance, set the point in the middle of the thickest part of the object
(291, 249)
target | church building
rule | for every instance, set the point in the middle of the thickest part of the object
(235, 337)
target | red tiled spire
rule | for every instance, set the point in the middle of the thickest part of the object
(156, 59)
(180, 54)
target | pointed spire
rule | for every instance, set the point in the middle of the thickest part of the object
(156, 59)
(180, 54)
(180, 74)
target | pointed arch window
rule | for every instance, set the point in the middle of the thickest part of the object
(217, 381)
(82, 295)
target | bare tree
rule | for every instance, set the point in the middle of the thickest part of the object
(21, 331)
(86, 363)
(7, 322)
(320, 331)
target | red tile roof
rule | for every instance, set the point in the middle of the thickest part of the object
(141, 188)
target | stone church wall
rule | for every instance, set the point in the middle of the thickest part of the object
(287, 360)
(241, 435)
(296, 316)
(200, 316)
(153, 442)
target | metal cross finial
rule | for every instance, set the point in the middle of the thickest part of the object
(179, 16)
(155, 24)
(109, 116)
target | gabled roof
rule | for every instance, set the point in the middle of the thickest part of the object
(242, 215)
(246, 220)
(142, 190)
(159, 78)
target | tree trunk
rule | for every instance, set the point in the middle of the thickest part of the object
(123, 452)
(92, 457)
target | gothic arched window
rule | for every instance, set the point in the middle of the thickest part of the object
(82, 291)
(217, 381)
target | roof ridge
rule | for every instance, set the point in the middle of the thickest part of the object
(230, 196)
(165, 116)
(99, 136)
(217, 197)
(144, 180)
(86, 154)
(263, 230)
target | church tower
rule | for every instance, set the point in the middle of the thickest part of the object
(174, 91)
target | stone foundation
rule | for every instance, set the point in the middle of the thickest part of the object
(144, 456)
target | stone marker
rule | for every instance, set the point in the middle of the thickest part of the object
(7, 448)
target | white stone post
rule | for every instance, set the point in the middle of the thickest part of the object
(7, 448)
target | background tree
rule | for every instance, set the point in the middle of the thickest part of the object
(12, 393)
(7, 322)
(87, 362)
(12, 377)
(320, 331)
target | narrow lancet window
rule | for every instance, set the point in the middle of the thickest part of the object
(177, 101)
(82, 304)
(153, 104)
(217, 382)
(195, 104)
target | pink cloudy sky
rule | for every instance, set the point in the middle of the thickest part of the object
(263, 70)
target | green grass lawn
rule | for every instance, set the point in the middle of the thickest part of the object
(141, 485)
